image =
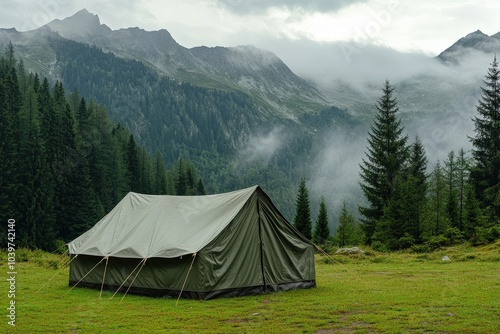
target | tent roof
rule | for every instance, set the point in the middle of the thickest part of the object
(143, 226)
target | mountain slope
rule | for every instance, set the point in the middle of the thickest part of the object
(473, 42)
(234, 138)
(256, 72)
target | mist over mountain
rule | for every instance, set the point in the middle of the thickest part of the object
(244, 116)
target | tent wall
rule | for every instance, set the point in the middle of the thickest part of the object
(232, 259)
(288, 257)
(156, 274)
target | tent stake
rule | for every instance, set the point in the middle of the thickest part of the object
(185, 280)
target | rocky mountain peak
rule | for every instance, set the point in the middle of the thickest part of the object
(476, 41)
(80, 25)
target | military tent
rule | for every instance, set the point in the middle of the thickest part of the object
(201, 247)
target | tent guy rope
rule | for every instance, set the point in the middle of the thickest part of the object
(132, 283)
(98, 263)
(185, 280)
(57, 272)
(126, 279)
(104, 276)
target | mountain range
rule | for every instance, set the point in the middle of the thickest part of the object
(257, 72)
(241, 113)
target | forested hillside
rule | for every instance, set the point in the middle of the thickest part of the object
(223, 132)
(65, 163)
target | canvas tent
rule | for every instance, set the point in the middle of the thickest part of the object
(210, 246)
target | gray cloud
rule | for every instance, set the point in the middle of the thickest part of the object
(259, 6)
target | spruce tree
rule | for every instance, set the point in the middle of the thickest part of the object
(472, 212)
(485, 173)
(200, 188)
(7, 155)
(160, 175)
(437, 185)
(452, 196)
(302, 220)
(417, 170)
(133, 165)
(348, 232)
(181, 186)
(463, 166)
(78, 218)
(321, 229)
(402, 220)
(398, 227)
(385, 159)
(36, 191)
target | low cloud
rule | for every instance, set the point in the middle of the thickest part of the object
(262, 147)
(244, 7)
(335, 175)
(437, 102)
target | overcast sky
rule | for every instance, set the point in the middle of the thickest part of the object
(425, 26)
(322, 40)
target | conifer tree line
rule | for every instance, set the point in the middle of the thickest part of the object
(459, 200)
(347, 233)
(411, 204)
(64, 164)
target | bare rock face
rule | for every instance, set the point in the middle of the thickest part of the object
(351, 250)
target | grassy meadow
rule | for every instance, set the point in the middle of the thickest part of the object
(374, 293)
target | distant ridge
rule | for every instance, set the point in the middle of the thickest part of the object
(475, 41)
(249, 69)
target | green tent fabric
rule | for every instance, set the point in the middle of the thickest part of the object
(229, 244)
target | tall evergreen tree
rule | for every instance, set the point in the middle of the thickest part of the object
(450, 171)
(348, 232)
(401, 224)
(463, 166)
(7, 155)
(181, 186)
(472, 212)
(36, 190)
(485, 173)
(385, 159)
(200, 188)
(10, 55)
(133, 165)
(160, 175)
(119, 169)
(77, 218)
(321, 229)
(437, 187)
(418, 171)
(302, 220)
(398, 227)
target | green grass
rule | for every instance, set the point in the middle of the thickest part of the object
(375, 293)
